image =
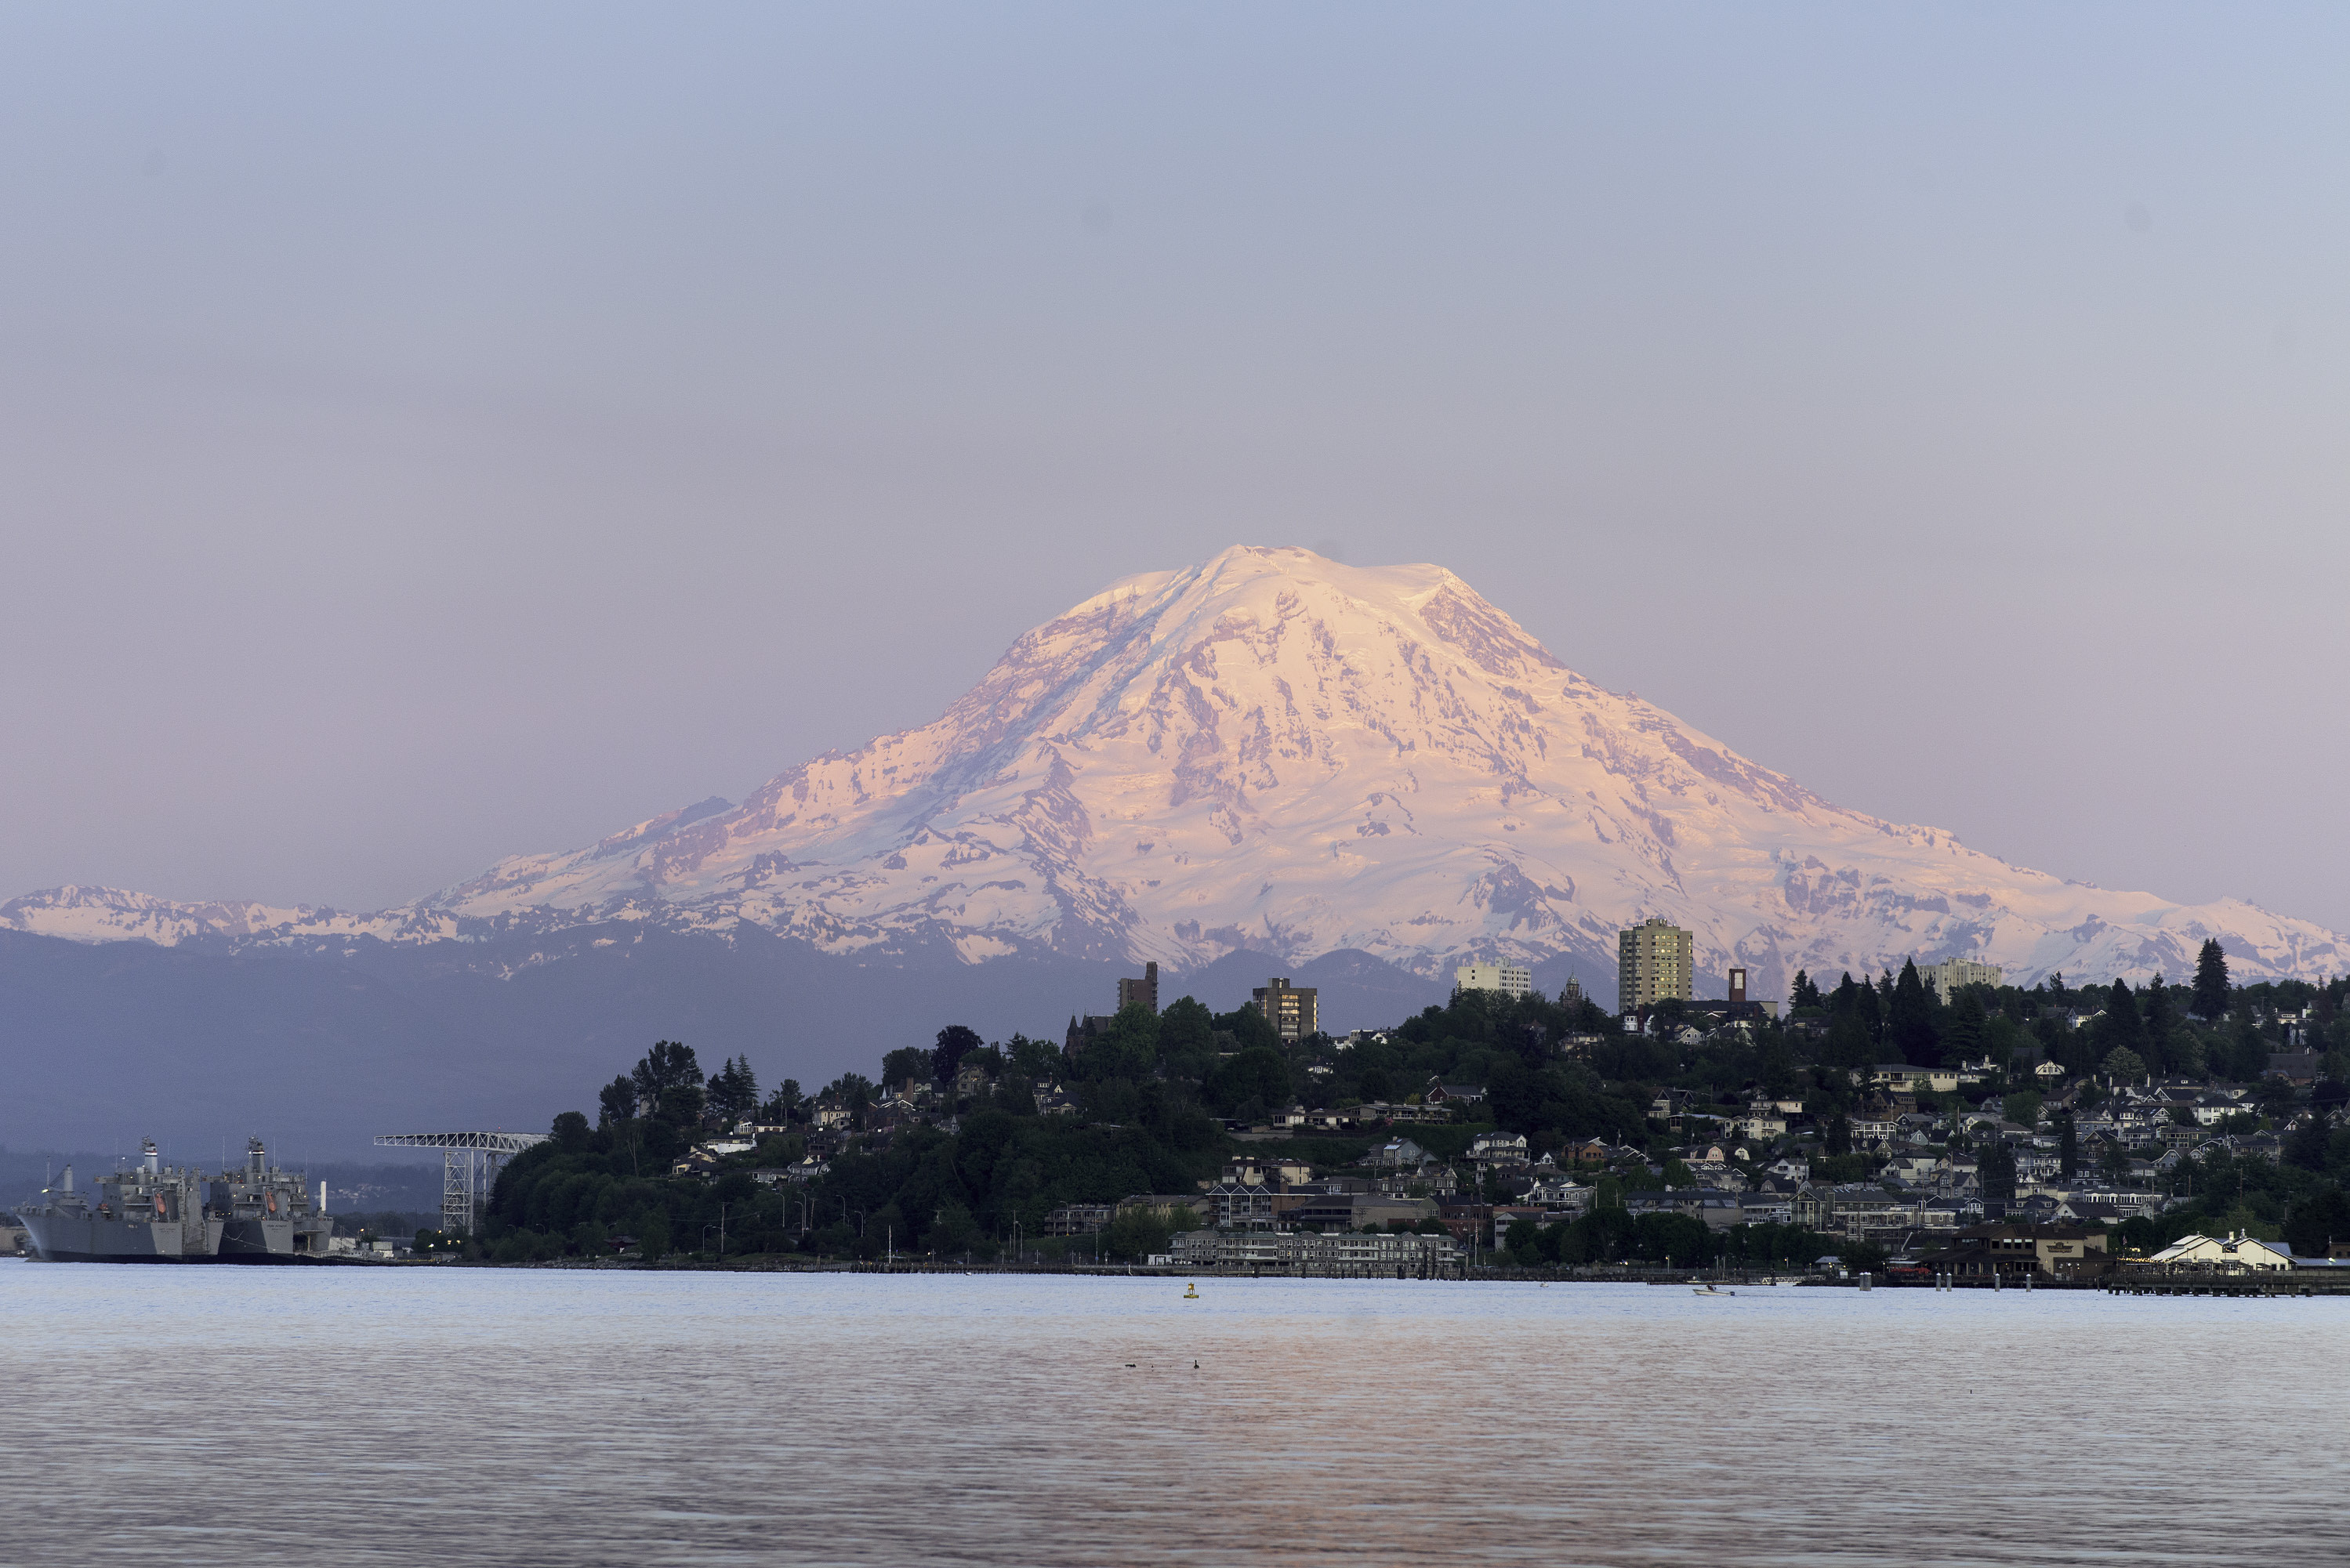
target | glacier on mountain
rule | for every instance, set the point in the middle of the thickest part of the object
(1277, 752)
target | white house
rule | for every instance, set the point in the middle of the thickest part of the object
(1499, 1148)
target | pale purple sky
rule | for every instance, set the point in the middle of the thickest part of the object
(429, 433)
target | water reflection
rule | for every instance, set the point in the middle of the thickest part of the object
(191, 1415)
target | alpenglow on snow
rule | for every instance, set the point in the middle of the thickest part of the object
(1277, 752)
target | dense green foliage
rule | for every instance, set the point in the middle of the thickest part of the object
(1147, 1097)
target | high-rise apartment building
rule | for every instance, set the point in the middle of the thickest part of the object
(1653, 960)
(1144, 990)
(1292, 1011)
(1947, 976)
(1506, 977)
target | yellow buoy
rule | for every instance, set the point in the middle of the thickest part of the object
(1191, 1292)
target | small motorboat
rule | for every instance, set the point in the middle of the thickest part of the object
(1709, 1290)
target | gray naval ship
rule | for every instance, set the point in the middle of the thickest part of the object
(153, 1213)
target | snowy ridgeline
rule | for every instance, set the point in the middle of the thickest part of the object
(1277, 753)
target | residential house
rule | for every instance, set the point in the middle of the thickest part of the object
(1560, 1194)
(1718, 1174)
(1398, 1152)
(1903, 1078)
(1874, 1124)
(1272, 1173)
(1808, 1207)
(2245, 1146)
(1858, 1208)
(1189, 1207)
(1719, 1210)
(1670, 1104)
(2300, 1068)
(1498, 1148)
(1943, 1216)
(1241, 1205)
(1913, 1167)
(1078, 1219)
(1383, 1111)
(1418, 1182)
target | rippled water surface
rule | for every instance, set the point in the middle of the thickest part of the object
(447, 1416)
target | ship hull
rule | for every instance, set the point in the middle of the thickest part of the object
(263, 1240)
(76, 1239)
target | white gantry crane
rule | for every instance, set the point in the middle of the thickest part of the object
(469, 1166)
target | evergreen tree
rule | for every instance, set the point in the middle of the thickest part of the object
(1805, 992)
(1845, 996)
(2068, 1149)
(1858, 998)
(2319, 1221)
(1964, 1023)
(904, 1069)
(1910, 1020)
(2212, 981)
(1996, 1167)
(617, 1103)
(1837, 1136)
(668, 1082)
(955, 1043)
(1848, 1045)
(2122, 1028)
(2159, 1002)
(2308, 1146)
(733, 1092)
(784, 1104)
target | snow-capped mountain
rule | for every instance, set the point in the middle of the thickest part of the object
(1276, 751)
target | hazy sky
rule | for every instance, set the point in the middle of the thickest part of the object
(432, 433)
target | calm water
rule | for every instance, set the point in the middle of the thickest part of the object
(415, 1415)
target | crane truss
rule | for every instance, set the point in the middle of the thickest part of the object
(469, 1168)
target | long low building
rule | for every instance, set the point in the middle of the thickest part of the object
(2234, 1253)
(1377, 1251)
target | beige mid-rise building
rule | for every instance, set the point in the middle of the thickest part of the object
(1951, 974)
(1654, 959)
(1507, 978)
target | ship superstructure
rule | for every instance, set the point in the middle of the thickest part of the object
(265, 1213)
(149, 1214)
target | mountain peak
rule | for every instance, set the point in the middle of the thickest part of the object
(1275, 751)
